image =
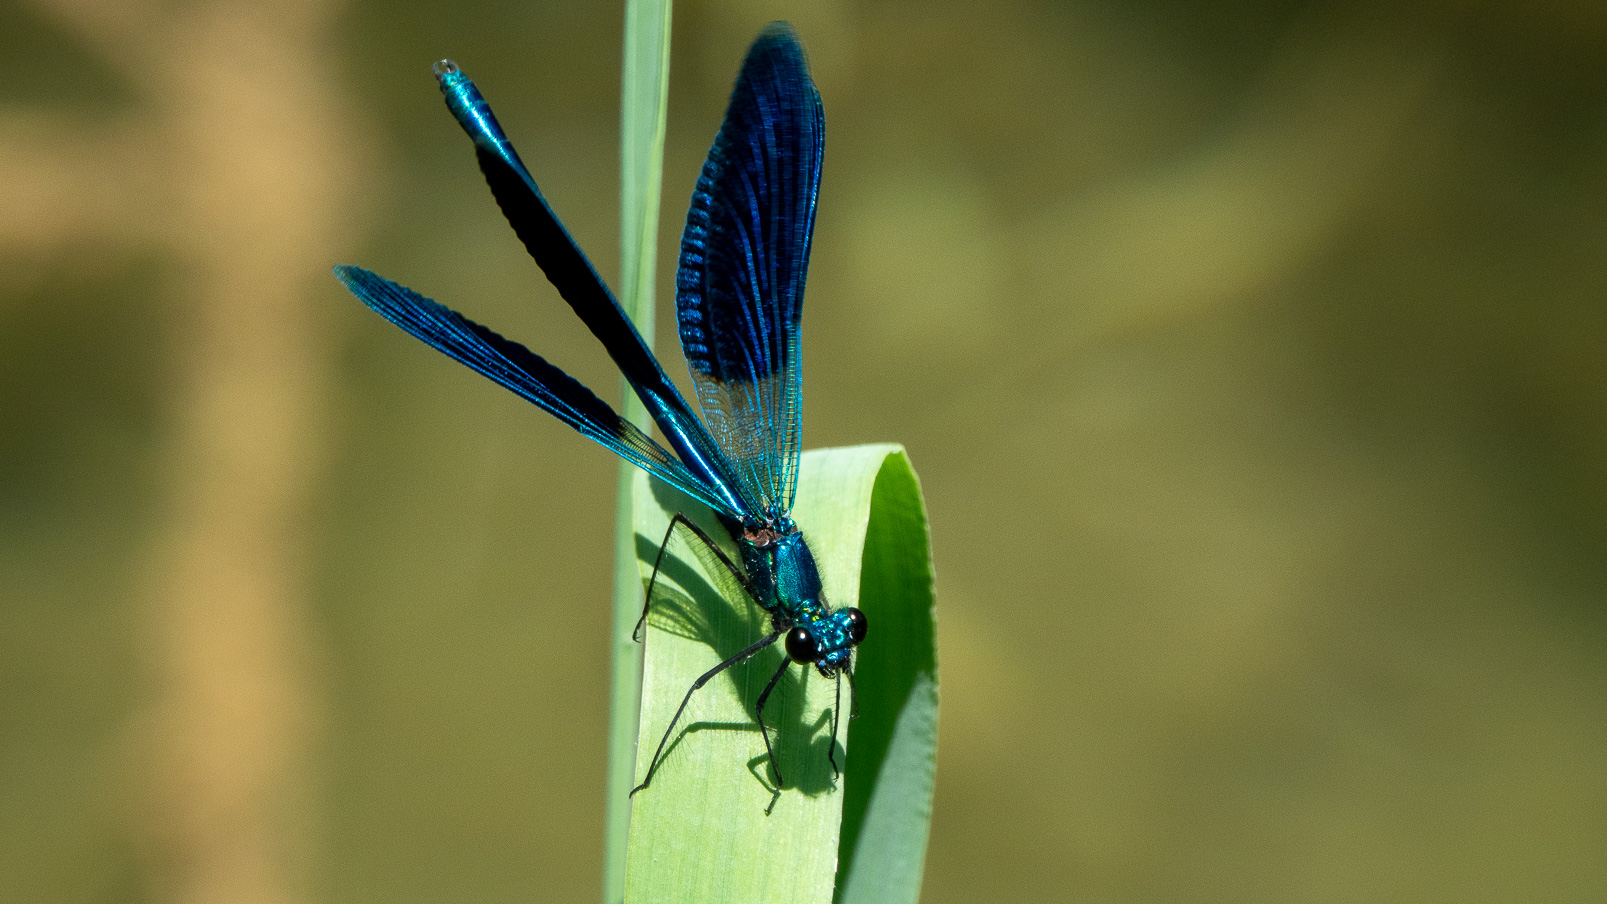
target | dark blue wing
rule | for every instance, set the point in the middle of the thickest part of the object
(744, 255)
(577, 281)
(524, 372)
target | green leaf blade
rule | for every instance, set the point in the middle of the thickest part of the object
(700, 832)
(891, 774)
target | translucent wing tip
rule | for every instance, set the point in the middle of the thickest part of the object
(390, 300)
(778, 39)
(779, 30)
(357, 280)
(349, 275)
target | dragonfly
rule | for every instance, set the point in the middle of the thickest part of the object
(739, 299)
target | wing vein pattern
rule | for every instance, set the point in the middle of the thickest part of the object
(744, 258)
(524, 372)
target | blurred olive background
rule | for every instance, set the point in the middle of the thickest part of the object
(1253, 355)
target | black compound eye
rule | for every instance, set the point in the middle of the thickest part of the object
(801, 646)
(857, 625)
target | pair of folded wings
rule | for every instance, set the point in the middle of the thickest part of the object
(739, 294)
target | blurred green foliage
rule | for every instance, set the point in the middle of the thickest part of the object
(1253, 356)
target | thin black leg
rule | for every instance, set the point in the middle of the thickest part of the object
(749, 651)
(831, 743)
(658, 560)
(758, 713)
(681, 519)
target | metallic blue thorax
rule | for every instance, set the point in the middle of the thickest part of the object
(784, 574)
(786, 580)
